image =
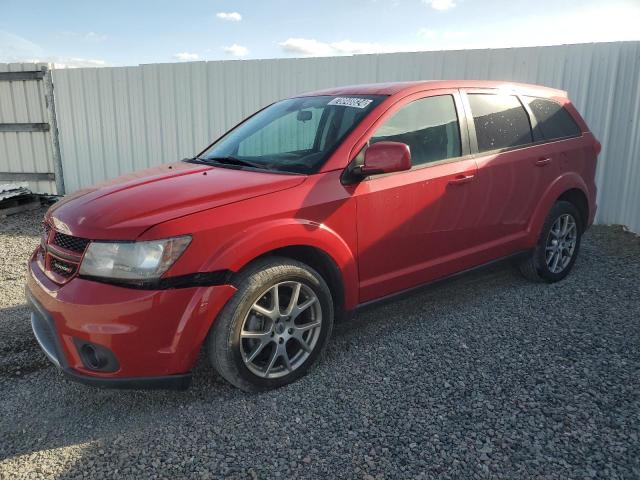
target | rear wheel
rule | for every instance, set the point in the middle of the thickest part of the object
(274, 328)
(558, 245)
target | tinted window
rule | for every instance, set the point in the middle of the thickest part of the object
(553, 121)
(500, 121)
(285, 134)
(296, 135)
(429, 126)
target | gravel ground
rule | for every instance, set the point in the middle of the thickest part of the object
(486, 376)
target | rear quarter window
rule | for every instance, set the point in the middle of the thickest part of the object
(552, 120)
(500, 120)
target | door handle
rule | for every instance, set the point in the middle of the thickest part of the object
(461, 179)
(543, 161)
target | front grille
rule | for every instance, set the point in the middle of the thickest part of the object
(61, 263)
(75, 244)
(62, 268)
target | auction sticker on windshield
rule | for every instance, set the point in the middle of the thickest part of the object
(351, 102)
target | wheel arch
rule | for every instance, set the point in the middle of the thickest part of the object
(311, 243)
(322, 263)
(578, 198)
(570, 187)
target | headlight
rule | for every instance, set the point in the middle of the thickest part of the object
(132, 260)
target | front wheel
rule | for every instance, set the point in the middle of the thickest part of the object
(274, 328)
(555, 253)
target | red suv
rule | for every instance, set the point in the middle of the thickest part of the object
(305, 211)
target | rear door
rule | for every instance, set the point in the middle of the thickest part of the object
(560, 148)
(414, 226)
(511, 167)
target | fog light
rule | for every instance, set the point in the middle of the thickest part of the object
(92, 357)
(96, 357)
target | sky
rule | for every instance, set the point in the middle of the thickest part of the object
(74, 33)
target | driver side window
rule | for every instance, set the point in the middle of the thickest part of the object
(429, 126)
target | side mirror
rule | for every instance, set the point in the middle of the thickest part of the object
(386, 157)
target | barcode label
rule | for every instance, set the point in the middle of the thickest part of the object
(351, 102)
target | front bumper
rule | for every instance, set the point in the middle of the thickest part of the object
(155, 336)
(47, 337)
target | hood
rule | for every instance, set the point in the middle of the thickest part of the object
(123, 208)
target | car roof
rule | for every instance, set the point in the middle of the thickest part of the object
(393, 88)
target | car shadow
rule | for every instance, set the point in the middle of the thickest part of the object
(68, 413)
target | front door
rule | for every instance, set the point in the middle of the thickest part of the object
(416, 225)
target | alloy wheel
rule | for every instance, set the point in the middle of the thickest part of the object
(561, 243)
(281, 329)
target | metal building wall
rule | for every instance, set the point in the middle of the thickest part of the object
(114, 120)
(23, 101)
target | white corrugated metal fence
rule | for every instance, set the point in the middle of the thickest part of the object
(25, 132)
(114, 120)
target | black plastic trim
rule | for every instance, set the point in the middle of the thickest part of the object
(39, 310)
(213, 163)
(169, 382)
(402, 293)
(200, 279)
(57, 252)
(107, 361)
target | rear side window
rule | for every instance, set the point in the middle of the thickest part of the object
(553, 121)
(500, 121)
(429, 126)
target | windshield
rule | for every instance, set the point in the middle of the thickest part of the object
(296, 135)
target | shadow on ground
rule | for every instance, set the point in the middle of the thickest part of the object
(485, 375)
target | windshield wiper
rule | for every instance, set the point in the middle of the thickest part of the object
(234, 161)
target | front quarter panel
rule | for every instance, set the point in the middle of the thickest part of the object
(319, 213)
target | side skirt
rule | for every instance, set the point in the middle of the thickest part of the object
(408, 292)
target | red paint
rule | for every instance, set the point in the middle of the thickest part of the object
(385, 234)
(386, 157)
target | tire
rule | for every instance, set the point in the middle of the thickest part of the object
(250, 331)
(536, 267)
